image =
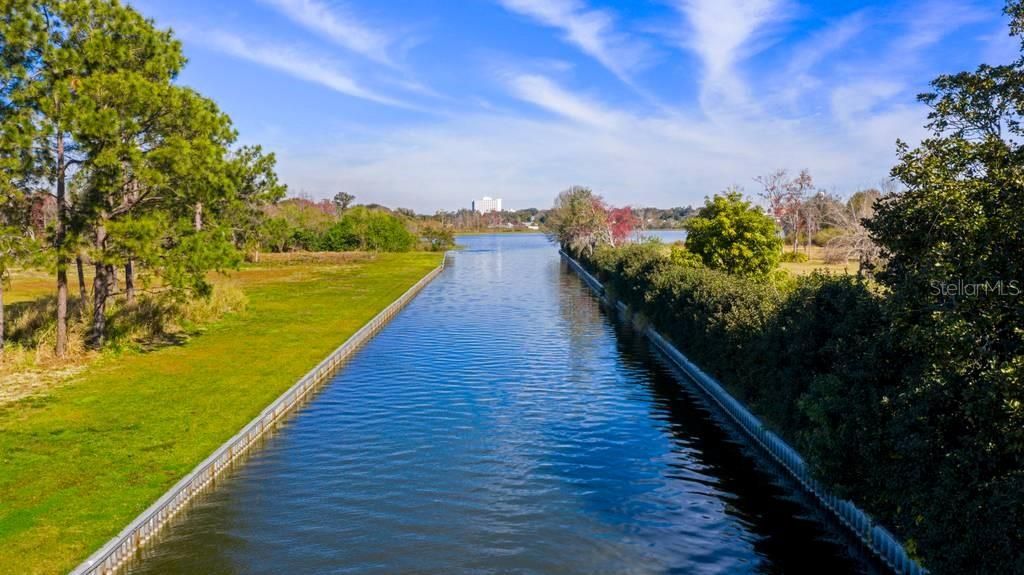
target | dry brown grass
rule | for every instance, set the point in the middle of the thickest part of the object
(294, 258)
(29, 365)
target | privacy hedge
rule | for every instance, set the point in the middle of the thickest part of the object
(818, 358)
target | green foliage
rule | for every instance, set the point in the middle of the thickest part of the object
(730, 234)
(295, 224)
(194, 253)
(684, 257)
(794, 257)
(254, 186)
(825, 235)
(368, 230)
(438, 238)
(812, 355)
(342, 200)
(275, 235)
(579, 221)
(959, 222)
(142, 167)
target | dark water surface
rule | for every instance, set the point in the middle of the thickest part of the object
(502, 423)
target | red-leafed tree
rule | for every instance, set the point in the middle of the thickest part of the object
(622, 222)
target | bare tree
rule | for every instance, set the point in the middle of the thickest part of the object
(785, 197)
(855, 242)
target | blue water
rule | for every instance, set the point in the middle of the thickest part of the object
(502, 423)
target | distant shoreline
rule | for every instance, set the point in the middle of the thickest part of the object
(499, 232)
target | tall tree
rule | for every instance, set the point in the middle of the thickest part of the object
(622, 221)
(786, 197)
(955, 262)
(16, 235)
(154, 185)
(579, 221)
(255, 186)
(342, 200)
(16, 173)
(62, 46)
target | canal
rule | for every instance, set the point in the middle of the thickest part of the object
(502, 423)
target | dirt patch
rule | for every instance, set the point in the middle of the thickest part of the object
(314, 258)
(17, 385)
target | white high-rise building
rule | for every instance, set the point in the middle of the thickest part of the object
(487, 204)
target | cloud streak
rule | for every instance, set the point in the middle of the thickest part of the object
(338, 26)
(592, 31)
(723, 33)
(297, 64)
(543, 92)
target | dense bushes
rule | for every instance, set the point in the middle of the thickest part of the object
(300, 225)
(367, 230)
(822, 360)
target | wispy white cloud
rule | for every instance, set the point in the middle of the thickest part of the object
(723, 33)
(592, 31)
(876, 91)
(826, 42)
(337, 25)
(855, 100)
(853, 82)
(304, 66)
(647, 160)
(543, 92)
(930, 22)
(629, 157)
(800, 75)
(1000, 47)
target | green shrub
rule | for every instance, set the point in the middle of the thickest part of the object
(825, 235)
(795, 257)
(367, 230)
(437, 238)
(731, 234)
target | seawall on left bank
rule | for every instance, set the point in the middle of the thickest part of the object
(147, 524)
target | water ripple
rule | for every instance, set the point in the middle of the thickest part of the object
(500, 424)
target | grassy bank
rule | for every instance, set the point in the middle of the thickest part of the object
(79, 462)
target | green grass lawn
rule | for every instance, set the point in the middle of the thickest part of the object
(816, 262)
(77, 464)
(30, 284)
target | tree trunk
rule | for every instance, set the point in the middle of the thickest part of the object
(100, 285)
(100, 292)
(129, 281)
(198, 217)
(82, 294)
(111, 280)
(62, 259)
(1, 318)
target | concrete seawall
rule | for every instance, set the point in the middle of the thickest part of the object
(144, 527)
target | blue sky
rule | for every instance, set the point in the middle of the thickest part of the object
(429, 103)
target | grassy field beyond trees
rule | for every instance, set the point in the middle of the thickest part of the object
(79, 462)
